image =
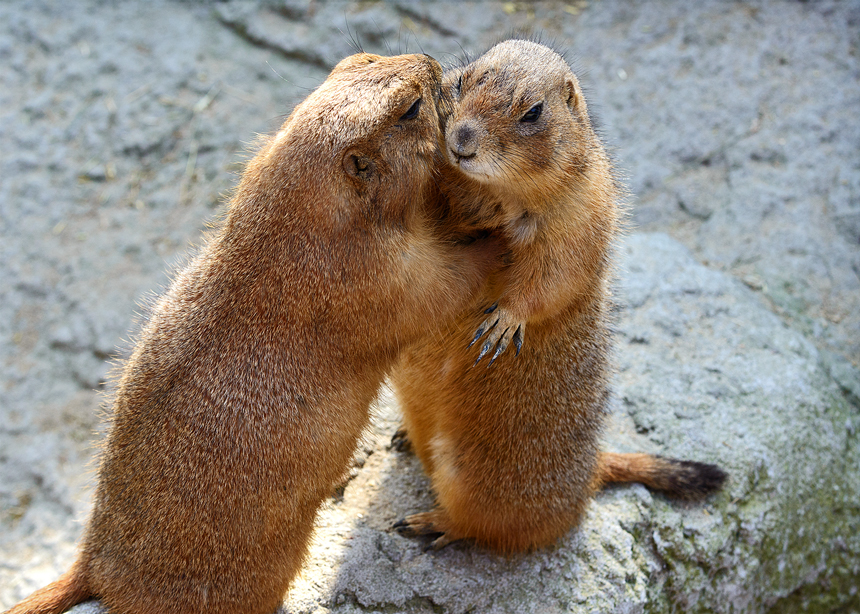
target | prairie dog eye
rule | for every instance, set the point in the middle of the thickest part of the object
(533, 114)
(412, 113)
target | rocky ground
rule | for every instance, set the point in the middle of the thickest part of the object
(736, 126)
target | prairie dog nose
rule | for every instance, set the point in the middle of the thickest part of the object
(463, 140)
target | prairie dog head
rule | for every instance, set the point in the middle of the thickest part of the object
(360, 148)
(517, 118)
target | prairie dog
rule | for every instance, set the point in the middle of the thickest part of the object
(240, 406)
(512, 450)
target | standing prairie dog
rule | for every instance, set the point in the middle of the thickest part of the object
(243, 399)
(512, 450)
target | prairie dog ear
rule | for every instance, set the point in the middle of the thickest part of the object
(574, 95)
(363, 172)
(359, 165)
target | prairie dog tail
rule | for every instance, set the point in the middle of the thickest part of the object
(59, 596)
(677, 478)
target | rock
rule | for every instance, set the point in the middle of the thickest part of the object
(735, 126)
(740, 384)
(845, 374)
(719, 379)
(729, 147)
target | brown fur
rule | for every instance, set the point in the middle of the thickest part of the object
(512, 450)
(243, 399)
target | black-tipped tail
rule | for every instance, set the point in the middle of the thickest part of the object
(690, 479)
(683, 479)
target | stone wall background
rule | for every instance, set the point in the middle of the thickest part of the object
(736, 125)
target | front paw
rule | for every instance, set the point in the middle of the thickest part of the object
(502, 327)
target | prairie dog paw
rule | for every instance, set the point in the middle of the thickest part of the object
(429, 525)
(501, 328)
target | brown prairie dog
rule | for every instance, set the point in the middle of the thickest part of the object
(512, 450)
(242, 401)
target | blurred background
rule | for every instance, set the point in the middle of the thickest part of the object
(123, 125)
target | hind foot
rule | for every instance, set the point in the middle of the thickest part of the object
(434, 526)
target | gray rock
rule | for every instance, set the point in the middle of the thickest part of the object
(720, 379)
(735, 125)
(729, 383)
